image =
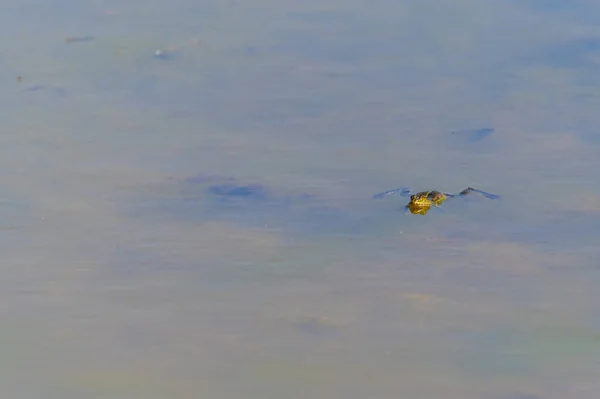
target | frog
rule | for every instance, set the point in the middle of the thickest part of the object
(420, 203)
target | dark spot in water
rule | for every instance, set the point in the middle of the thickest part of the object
(209, 197)
(255, 191)
(473, 135)
(228, 187)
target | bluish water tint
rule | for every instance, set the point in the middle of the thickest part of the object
(403, 191)
(227, 187)
(474, 135)
(15, 213)
(252, 191)
(554, 5)
(202, 178)
(208, 197)
(306, 109)
(57, 91)
(578, 53)
(486, 195)
(492, 352)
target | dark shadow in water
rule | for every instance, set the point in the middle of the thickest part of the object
(254, 191)
(205, 197)
(473, 135)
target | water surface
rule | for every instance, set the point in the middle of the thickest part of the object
(187, 199)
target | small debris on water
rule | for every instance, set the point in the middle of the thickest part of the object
(163, 54)
(169, 52)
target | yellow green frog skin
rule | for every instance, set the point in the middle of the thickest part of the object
(421, 202)
(417, 209)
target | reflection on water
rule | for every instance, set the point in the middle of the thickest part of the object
(187, 200)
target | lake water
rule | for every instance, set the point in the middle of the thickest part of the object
(186, 206)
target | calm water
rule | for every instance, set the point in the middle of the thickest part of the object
(186, 206)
